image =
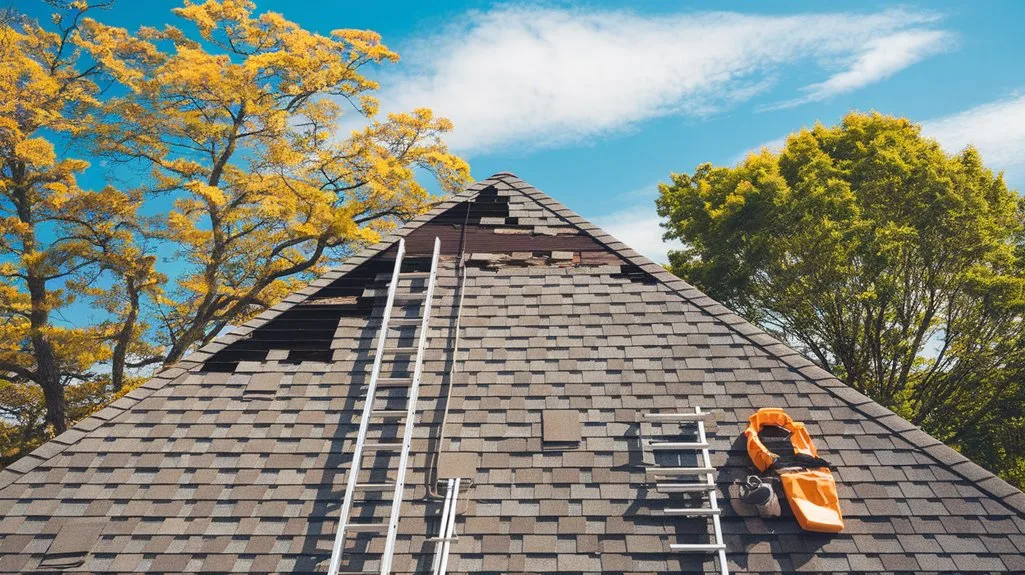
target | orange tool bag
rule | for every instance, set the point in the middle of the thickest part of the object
(807, 481)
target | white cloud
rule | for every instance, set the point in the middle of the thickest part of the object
(879, 59)
(536, 76)
(638, 227)
(997, 129)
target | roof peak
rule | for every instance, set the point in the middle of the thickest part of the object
(499, 175)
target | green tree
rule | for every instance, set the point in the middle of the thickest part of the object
(892, 264)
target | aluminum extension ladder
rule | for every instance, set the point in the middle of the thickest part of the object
(353, 487)
(668, 479)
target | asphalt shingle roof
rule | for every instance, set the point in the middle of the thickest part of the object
(234, 459)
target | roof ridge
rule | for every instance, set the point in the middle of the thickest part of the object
(518, 185)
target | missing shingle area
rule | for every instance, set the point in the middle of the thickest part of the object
(488, 208)
(487, 260)
(635, 274)
(305, 331)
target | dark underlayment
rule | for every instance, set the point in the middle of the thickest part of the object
(545, 349)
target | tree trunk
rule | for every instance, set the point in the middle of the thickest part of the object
(47, 370)
(50, 381)
(124, 338)
(183, 343)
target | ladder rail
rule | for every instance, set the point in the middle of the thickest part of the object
(407, 436)
(447, 543)
(355, 465)
(704, 469)
(448, 525)
(713, 499)
(442, 529)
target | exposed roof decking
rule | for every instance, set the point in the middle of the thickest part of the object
(190, 474)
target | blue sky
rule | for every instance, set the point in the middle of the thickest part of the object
(597, 102)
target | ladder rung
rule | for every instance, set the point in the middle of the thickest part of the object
(679, 470)
(402, 349)
(691, 511)
(375, 486)
(678, 416)
(383, 446)
(367, 527)
(697, 547)
(383, 294)
(386, 277)
(389, 413)
(419, 296)
(685, 487)
(677, 445)
(394, 381)
(405, 321)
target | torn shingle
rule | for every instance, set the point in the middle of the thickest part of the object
(76, 537)
(74, 540)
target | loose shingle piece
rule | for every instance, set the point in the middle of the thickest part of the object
(264, 383)
(560, 426)
(76, 537)
(454, 464)
(235, 459)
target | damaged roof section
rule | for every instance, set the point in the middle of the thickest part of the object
(305, 332)
(69, 548)
(502, 229)
(499, 222)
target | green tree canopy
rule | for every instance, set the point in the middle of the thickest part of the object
(894, 265)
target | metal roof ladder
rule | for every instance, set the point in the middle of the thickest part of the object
(383, 418)
(674, 479)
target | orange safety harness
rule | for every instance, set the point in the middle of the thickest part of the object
(806, 479)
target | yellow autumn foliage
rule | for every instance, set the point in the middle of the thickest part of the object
(55, 237)
(243, 127)
(234, 117)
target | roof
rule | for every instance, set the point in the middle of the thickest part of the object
(234, 459)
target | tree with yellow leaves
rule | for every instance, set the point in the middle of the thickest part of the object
(238, 124)
(107, 221)
(54, 236)
(242, 129)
